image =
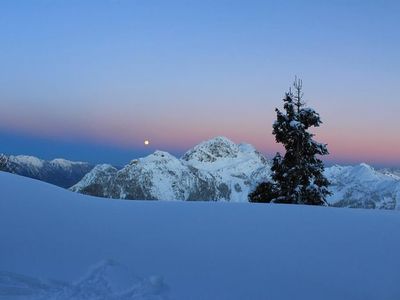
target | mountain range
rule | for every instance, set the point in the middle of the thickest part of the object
(214, 170)
(59, 171)
(221, 170)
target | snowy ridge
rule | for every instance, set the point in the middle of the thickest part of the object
(98, 178)
(394, 172)
(58, 171)
(212, 150)
(217, 169)
(61, 162)
(29, 161)
(363, 187)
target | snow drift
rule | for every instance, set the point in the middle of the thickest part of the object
(202, 250)
(105, 280)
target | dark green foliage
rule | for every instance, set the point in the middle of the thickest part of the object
(298, 176)
(264, 193)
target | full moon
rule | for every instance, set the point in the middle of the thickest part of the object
(146, 142)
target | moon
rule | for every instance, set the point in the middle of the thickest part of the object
(146, 142)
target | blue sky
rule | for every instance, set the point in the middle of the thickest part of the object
(106, 75)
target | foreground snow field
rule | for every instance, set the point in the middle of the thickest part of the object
(190, 250)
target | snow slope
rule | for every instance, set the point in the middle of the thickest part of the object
(200, 250)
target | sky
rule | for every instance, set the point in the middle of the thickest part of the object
(91, 80)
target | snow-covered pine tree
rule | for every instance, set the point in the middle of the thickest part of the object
(298, 176)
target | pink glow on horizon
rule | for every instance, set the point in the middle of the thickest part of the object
(177, 132)
(171, 137)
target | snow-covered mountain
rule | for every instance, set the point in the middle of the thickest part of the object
(219, 169)
(362, 186)
(58, 171)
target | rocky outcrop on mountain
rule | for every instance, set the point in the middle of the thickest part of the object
(217, 169)
(60, 172)
(391, 171)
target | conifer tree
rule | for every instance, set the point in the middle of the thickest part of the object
(297, 177)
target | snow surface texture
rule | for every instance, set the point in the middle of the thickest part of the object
(202, 250)
(219, 169)
(106, 280)
(58, 171)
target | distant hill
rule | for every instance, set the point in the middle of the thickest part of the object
(61, 172)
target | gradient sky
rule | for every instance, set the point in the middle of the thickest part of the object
(90, 80)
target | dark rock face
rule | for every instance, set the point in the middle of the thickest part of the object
(59, 172)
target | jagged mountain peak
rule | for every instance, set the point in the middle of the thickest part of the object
(212, 150)
(159, 156)
(361, 172)
(27, 160)
(65, 163)
(365, 166)
(159, 160)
